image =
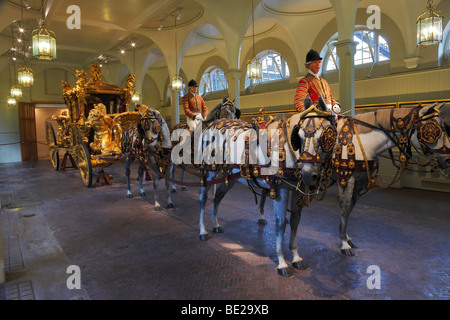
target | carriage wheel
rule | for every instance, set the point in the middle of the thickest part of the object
(52, 145)
(85, 165)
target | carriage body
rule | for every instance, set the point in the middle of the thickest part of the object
(91, 130)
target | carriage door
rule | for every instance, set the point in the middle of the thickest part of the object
(27, 127)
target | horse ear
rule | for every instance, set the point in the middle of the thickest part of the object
(307, 103)
(426, 109)
(224, 99)
(238, 113)
(322, 105)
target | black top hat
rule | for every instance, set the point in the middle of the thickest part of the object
(192, 83)
(312, 55)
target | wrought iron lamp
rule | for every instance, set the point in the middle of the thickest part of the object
(177, 82)
(254, 68)
(429, 26)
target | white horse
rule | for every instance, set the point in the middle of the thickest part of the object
(280, 180)
(149, 142)
(361, 140)
(224, 110)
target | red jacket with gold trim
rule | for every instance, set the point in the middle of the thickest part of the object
(314, 86)
(194, 104)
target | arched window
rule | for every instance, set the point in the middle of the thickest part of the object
(212, 80)
(371, 47)
(274, 67)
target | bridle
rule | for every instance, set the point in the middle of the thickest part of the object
(323, 150)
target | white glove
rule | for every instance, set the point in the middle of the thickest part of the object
(336, 108)
(198, 117)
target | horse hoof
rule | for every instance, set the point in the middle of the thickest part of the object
(351, 244)
(129, 196)
(158, 208)
(285, 272)
(170, 205)
(143, 194)
(218, 230)
(347, 252)
(262, 222)
(183, 188)
(204, 237)
(300, 265)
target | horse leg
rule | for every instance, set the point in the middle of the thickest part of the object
(203, 197)
(140, 174)
(183, 174)
(169, 188)
(127, 164)
(280, 206)
(174, 186)
(220, 192)
(347, 202)
(157, 206)
(262, 219)
(296, 212)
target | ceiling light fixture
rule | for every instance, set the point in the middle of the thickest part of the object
(429, 26)
(25, 76)
(177, 82)
(136, 97)
(44, 42)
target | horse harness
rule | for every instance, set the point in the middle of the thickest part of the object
(402, 129)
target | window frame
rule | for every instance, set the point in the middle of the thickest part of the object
(374, 51)
(211, 72)
(282, 70)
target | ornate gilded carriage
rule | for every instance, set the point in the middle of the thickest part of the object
(91, 131)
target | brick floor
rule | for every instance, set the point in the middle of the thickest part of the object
(128, 251)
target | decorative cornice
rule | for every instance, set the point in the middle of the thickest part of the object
(184, 23)
(302, 13)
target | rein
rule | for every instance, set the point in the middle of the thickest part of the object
(406, 128)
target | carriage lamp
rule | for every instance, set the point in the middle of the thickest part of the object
(25, 76)
(177, 83)
(16, 91)
(44, 43)
(11, 101)
(429, 26)
(136, 97)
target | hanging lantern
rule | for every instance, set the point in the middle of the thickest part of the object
(11, 101)
(254, 69)
(16, 91)
(429, 26)
(44, 43)
(177, 83)
(25, 76)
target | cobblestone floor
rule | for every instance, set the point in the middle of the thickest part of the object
(126, 250)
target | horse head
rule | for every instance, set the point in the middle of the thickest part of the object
(432, 135)
(314, 137)
(153, 128)
(224, 110)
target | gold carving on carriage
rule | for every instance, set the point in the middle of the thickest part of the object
(91, 131)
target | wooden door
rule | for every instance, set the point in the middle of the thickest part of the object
(27, 126)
